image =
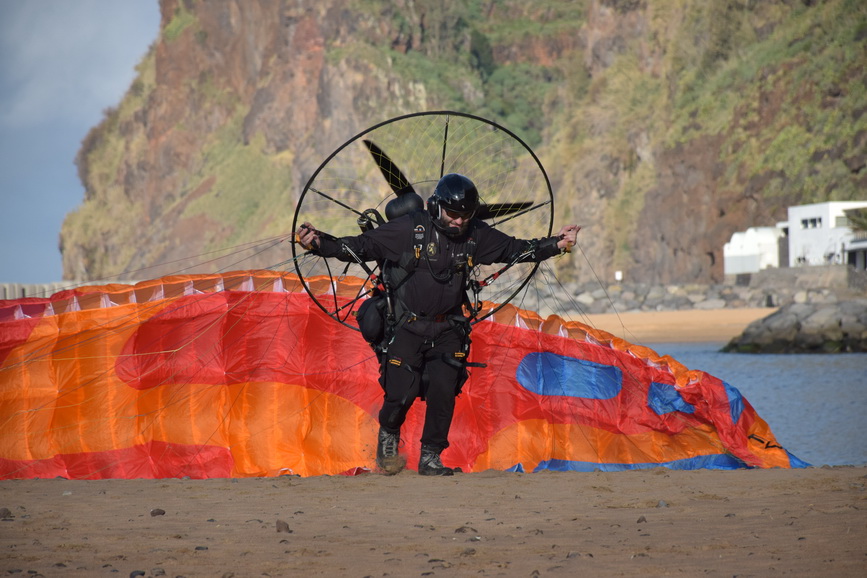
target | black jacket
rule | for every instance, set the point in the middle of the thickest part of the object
(435, 282)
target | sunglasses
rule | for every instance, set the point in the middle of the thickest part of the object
(458, 214)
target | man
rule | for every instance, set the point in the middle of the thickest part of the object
(427, 257)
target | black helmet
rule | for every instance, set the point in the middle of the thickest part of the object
(456, 193)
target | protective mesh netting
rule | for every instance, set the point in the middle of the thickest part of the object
(415, 151)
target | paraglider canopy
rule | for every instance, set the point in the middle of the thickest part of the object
(240, 374)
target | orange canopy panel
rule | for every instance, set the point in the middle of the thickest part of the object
(241, 375)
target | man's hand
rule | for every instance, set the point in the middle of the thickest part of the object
(568, 236)
(307, 236)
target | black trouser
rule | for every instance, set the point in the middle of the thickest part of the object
(421, 347)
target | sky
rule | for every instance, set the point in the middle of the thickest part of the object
(62, 63)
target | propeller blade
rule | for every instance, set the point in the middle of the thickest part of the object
(396, 179)
(500, 209)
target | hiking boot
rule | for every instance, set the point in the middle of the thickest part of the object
(429, 464)
(387, 457)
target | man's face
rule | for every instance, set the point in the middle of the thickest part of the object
(454, 219)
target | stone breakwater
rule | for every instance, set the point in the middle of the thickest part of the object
(629, 298)
(807, 328)
(815, 285)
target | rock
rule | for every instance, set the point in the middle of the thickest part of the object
(696, 297)
(826, 321)
(585, 298)
(850, 324)
(829, 327)
(599, 294)
(283, 527)
(680, 302)
(655, 292)
(711, 304)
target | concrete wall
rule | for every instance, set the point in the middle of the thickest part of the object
(824, 276)
(21, 290)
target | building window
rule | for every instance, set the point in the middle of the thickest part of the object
(811, 223)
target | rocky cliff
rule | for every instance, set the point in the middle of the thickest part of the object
(665, 126)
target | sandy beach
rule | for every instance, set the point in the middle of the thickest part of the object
(659, 522)
(713, 325)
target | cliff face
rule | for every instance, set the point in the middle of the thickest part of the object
(233, 109)
(664, 128)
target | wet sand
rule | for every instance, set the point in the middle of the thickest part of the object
(809, 522)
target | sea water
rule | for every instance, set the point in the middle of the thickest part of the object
(815, 404)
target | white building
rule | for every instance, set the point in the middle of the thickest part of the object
(817, 234)
(752, 250)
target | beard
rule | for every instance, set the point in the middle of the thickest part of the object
(451, 230)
